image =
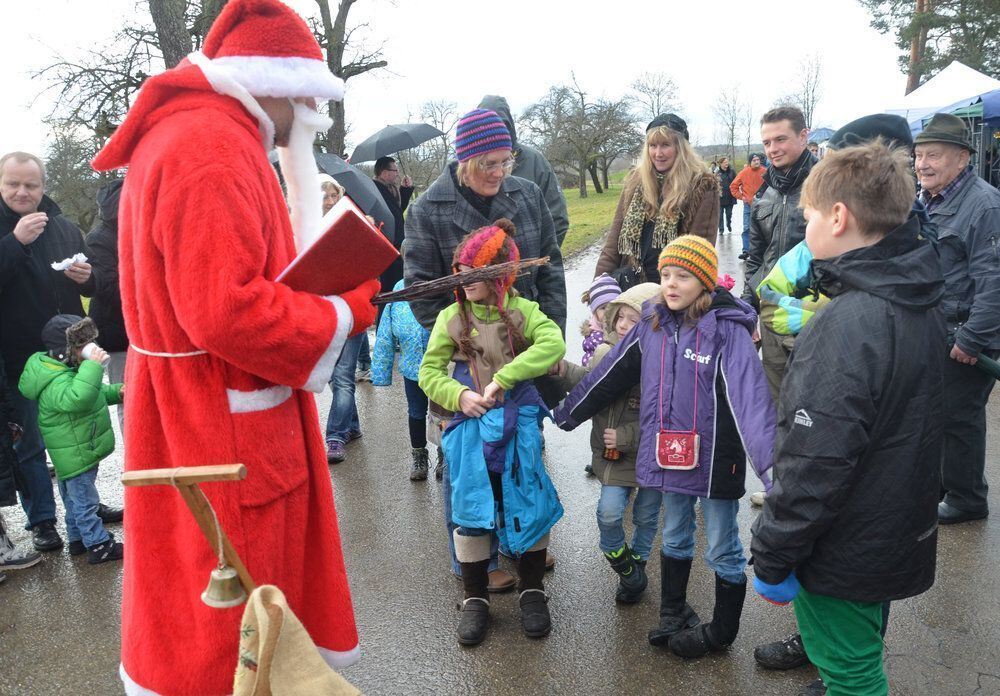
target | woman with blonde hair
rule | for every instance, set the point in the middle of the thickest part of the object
(670, 193)
(332, 191)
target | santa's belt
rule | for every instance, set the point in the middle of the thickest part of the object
(156, 354)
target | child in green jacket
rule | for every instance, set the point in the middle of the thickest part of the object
(67, 383)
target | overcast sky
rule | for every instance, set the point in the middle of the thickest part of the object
(459, 50)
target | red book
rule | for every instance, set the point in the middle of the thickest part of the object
(349, 252)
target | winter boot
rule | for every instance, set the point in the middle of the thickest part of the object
(675, 613)
(721, 632)
(631, 574)
(535, 619)
(419, 470)
(439, 465)
(475, 619)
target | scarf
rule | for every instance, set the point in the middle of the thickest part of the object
(630, 236)
(791, 179)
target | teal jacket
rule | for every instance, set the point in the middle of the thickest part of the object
(72, 411)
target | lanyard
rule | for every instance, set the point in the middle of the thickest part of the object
(663, 369)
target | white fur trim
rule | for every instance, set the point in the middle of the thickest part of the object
(321, 374)
(344, 658)
(257, 400)
(131, 688)
(288, 76)
(223, 83)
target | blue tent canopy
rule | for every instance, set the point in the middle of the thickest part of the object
(985, 105)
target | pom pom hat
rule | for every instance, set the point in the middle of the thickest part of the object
(602, 290)
(695, 255)
(481, 131)
(485, 247)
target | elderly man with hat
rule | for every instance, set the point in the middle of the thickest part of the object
(222, 356)
(966, 211)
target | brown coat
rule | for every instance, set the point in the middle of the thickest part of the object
(699, 215)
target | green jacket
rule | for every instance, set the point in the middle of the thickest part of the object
(496, 361)
(72, 411)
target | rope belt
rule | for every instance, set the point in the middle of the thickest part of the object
(154, 354)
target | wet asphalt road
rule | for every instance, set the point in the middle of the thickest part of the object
(59, 621)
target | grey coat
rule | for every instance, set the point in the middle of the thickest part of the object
(439, 219)
(531, 164)
(968, 228)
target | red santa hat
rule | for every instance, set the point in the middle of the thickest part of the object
(267, 49)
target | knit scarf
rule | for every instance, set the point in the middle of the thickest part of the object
(787, 181)
(630, 236)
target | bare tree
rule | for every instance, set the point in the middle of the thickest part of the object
(730, 113)
(747, 122)
(69, 177)
(334, 37)
(809, 87)
(653, 93)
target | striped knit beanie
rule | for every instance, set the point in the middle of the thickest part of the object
(694, 254)
(481, 131)
(602, 290)
(487, 246)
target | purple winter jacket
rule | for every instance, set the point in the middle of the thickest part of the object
(736, 417)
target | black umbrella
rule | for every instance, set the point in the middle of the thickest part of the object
(361, 189)
(390, 139)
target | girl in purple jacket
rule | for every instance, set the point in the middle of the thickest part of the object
(705, 409)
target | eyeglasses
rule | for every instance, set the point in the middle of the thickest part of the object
(507, 165)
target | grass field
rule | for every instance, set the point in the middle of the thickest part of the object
(590, 217)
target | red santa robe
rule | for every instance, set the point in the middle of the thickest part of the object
(219, 354)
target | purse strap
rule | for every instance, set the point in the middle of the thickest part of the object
(663, 368)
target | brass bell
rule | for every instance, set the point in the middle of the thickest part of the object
(224, 589)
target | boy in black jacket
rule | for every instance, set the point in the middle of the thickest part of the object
(853, 512)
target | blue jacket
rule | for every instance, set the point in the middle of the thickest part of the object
(398, 330)
(504, 439)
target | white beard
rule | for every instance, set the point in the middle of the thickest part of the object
(298, 167)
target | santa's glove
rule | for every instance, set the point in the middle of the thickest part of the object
(360, 301)
(781, 593)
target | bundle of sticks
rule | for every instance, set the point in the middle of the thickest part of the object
(446, 285)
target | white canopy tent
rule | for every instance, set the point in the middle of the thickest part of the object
(954, 83)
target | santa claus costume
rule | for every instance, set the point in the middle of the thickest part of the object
(219, 351)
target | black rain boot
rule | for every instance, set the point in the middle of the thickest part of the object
(631, 571)
(721, 632)
(418, 472)
(535, 618)
(675, 613)
(475, 619)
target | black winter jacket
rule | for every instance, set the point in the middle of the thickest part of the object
(726, 177)
(31, 292)
(106, 307)
(10, 475)
(394, 273)
(853, 510)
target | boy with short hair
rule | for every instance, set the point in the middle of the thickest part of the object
(75, 423)
(852, 514)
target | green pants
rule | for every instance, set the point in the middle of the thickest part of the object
(843, 639)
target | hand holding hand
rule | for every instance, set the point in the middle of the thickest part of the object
(963, 357)
(558, 370)
(493, 393)
(781, 593)
(472, 404)
(29, 227)
(79, 272)
(611, 438)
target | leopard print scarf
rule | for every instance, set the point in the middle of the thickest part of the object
(630, 236)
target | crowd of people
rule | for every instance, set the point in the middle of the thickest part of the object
(845, 372)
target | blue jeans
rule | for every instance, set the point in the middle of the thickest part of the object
(746, 227)
(79, 496)
(494, 541)
(365, 353)
(645, 514)
(38, 501)
(343, 418)
(725, 551)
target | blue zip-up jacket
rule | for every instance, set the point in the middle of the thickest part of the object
(398, 330)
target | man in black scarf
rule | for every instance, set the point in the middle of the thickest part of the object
(776, 222)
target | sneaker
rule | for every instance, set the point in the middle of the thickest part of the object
(110, 515)
(353, 435)
(757, 499)
(13, 559)
(335, 452)
(363, 375)
(110, 550)
(76, 547)
(814, 688)
(44, 537)
(782, 654)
